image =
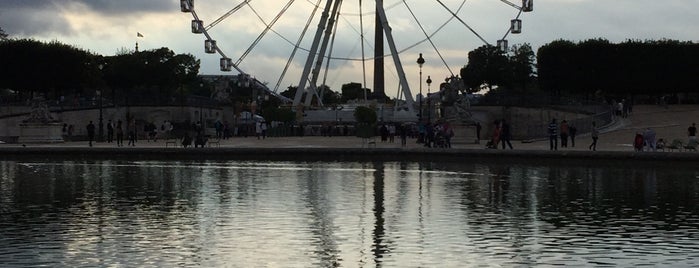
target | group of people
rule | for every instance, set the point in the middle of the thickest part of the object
(622, 108)
(223, 130)
(566, 131)
(645, 140)
(436, 135)
(501, 134)
(117, 131)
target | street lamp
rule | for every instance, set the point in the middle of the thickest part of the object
(100, 131)
(429, 106)
(201, 105)
(420, 62)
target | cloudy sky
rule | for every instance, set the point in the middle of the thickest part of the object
(107, 26)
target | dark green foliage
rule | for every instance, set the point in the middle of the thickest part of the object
(30, 66)
(54, 69)
(490, 67)
(3, 35)
(629, 68)
(353, 91)
(329, 96)
(366, 121)
(158, 72)
(365, 115)
(274, 113)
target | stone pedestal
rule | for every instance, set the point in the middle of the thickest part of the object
(40, 133)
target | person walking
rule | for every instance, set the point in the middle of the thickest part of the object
(258, 130)
(478, 132)
(131, 129)
(119, 134)
(497, 135)
(595, 135)
(692, 132)
(553, 135)
(110, 131)
(505, 134)
(571, 132)
(403, 135)
(649, 136)
(263, 129)
(90, 132)
(564, 134)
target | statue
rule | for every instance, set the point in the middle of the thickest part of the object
(40, 127)
(40, 112)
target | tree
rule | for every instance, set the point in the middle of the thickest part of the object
(522, 65)
(329, 97)
(155, 74)
(353, 91)
(50, 69)
(555, 65)
(618, 70)
(487, 65)
(3, 35)
(366, 121)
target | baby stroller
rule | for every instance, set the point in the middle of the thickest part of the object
(440, 141)
(490, 145)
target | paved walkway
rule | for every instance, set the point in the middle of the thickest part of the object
(669, 124)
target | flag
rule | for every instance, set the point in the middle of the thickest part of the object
(139, 34)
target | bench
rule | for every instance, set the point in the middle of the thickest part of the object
(216, 141)
(369, 142)
(174, 142)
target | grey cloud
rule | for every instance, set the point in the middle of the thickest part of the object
(107, 7)
(125, 6)
(28, 22)
(37, 17)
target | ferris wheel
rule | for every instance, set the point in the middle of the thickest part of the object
(280, 36)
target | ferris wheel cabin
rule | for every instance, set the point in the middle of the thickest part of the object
(186, 5)
(210, 46)
(226, 64)
(527, 5)
(502, 45)
(516, 26)
(197, 26)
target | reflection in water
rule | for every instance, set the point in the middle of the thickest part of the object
(379, 230)
(369, 214)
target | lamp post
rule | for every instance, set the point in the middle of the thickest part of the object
(420, 62)
(100, 131)
(201, 109)
(429, 105)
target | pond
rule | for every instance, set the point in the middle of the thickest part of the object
(346, 214)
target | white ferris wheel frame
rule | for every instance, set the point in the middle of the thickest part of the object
(226, 63)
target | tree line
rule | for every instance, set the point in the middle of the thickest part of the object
(597, 67)
(594, 68)
(591, 68)
(51, 69)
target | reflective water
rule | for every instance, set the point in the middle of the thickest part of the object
(348, 214)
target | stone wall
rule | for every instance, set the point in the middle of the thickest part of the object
(9, 126)
(525, 123)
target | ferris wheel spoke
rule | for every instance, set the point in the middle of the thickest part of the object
(463, 22)
(268, 27)
(511, 4)
(228, 14)
(429, 37)
(297, 46)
